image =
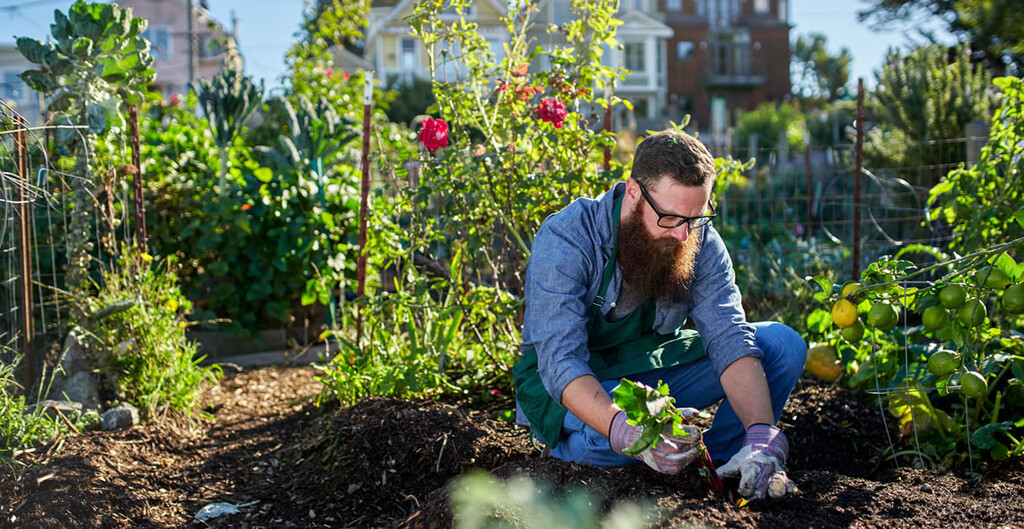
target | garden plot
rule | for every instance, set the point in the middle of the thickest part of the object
(283, 462)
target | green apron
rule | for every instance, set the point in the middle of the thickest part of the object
(617, 349)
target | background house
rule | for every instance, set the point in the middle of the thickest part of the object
(711, 59)
(13, 91)
(398, 57)
(168, 34)
(725, 56)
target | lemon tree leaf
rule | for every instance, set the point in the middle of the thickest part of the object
(1019, 216)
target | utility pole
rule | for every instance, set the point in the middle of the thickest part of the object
(191, 46)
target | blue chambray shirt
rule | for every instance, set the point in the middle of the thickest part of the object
(569, 254)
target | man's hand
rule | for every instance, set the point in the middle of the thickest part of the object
(669, 455)
(761, 463)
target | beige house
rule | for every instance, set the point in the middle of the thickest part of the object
(169, 39)
(399, 57)
(642, 41)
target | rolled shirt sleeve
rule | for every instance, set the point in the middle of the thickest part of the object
(557, 290)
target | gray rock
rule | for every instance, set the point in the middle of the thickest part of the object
(82, 387)
(120, 417)
(50, 407)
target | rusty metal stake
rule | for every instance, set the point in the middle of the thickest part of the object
(363, 205)
(140, 205)
(25, 254)
(856, 177)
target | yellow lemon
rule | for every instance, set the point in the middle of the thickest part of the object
(844, 313)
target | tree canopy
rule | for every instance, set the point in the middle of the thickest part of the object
(994, 28)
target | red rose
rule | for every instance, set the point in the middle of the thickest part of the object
(434, 134)
(552, 110)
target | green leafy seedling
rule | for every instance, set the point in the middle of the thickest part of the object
(650, 408)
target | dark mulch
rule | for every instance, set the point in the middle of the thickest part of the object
(390, 463)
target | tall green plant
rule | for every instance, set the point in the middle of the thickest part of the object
(980, 201)
(96, 64)
(228, 100)
(137, 336)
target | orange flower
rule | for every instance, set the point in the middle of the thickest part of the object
(245, 207)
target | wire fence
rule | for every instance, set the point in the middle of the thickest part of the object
(794, 215)
(35, 192)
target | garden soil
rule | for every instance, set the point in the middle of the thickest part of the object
(284, 462)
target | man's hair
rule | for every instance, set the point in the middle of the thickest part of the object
(675, 154)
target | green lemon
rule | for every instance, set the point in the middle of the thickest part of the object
(882, 316)
(973, 384)
(1013, 299)
(945, 333)
(993, 277)
(844, 313)
(935, 318)
(943, 362)
(972, 313)
(952, 296)
(853, 333)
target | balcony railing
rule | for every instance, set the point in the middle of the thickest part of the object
(732, 64)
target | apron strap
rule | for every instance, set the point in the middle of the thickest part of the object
(609, 268)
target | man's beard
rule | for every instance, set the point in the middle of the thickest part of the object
(656, 269)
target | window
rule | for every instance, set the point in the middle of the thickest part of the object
(159, 42)
(634, 52)
(497, 48)
(761, 7)
(640, 5)
(684, 50)
(673, 5)
(407, 60)
(12, 87)
(450, 12)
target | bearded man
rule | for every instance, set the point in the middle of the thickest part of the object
(610, 285)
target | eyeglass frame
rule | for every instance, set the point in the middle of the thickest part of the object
(685, 220)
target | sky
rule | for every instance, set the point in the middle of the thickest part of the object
(267, 28)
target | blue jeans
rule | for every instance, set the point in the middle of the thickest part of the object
(695, 385)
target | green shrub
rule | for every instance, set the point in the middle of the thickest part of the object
(136, 336)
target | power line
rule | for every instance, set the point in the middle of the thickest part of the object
(33, 3)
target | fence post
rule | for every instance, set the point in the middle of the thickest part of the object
(977, 137)
(856, 177)
(140, 205)
(810, 184)
(25, 253)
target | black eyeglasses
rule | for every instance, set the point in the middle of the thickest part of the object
(672, 221)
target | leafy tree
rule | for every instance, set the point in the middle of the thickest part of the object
(817, 74)
(995, 28)
(923, 100)
(770, 123)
